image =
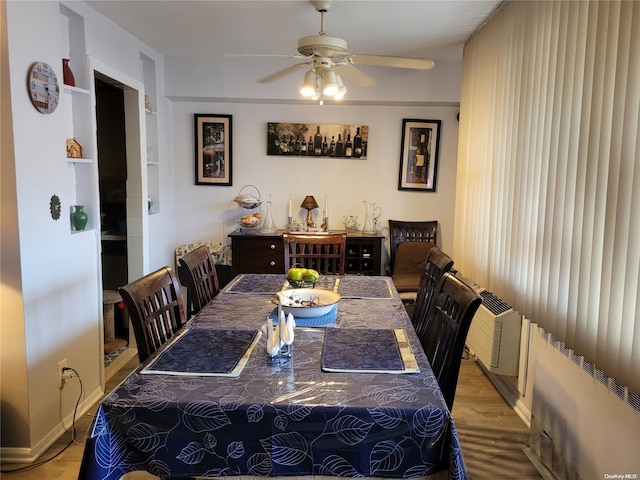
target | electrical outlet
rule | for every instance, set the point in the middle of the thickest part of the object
(61, 364)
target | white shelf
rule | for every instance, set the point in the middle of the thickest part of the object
(75, 90)
(79, 160)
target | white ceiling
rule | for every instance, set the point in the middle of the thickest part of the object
(428, 29)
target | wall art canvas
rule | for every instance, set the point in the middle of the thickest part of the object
(314, 140)
(419, 155)
(212, 149)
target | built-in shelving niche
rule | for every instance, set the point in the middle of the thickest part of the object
(79, 119)
(148, 67)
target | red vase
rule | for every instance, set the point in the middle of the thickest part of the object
(67, 74)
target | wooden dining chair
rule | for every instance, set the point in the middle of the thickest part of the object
(405, 231)
(438, 263)
(156, 310)
(409, 264)
(455, 303)
(197, 272)
(322, 252)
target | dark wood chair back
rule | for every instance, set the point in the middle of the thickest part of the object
(197, 272)
(451, 313)
(323, 252)
(155, 307)
(401, 231)
(409, 264)
(438, 263)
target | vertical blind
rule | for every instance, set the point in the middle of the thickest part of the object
(548, 182)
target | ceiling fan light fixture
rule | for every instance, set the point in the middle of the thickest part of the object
(309, 85)
(342, 90)
(330, 82)
(318, 92)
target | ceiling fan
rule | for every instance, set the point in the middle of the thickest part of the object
(323, 54)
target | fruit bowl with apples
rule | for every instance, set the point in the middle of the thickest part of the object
(300, 277)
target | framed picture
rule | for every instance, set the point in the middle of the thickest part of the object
(213, 149)
(419, 155)
(314, 140)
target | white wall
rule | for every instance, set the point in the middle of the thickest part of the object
(52, 286)
(208, 213)
(228, 86)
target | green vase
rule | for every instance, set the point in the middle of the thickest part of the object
(79, 217)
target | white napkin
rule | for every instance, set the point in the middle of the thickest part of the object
(286, 329)
(289, 326)
(273, 338)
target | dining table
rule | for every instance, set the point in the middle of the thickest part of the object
(354, 397)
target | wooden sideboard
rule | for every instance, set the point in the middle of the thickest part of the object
(257, 252)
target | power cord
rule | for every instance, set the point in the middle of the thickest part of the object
(73, 429)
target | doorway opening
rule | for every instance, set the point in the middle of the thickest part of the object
(112, 175)
(112, 178)
(122, 186)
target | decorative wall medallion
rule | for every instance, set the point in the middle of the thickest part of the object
(54, 206)
(43, 88)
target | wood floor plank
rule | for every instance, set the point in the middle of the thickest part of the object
(492, 436)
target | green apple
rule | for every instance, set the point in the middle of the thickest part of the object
(295, 274)
(310, 276)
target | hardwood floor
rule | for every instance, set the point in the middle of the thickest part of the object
(491, 434)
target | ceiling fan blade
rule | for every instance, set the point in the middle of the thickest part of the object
(254, 55)
(353, 76)
(398, 62)
(281, 73)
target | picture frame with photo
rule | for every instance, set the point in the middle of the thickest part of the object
(213, 159)
(419, 155)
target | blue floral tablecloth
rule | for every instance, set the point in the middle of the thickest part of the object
(279, 418)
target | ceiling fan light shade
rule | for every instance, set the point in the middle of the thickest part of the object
(309, 85)
(342, 90)
(330, 82)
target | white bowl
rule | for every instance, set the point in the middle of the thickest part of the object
(297, 301)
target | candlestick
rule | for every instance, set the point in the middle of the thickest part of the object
(289, 209)
(326, 206)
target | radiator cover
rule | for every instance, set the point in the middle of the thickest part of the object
(494, 335)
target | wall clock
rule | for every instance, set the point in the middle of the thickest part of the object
(43, 88)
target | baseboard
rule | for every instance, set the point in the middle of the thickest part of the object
(30, 455)
(537, 463)
(510, 395)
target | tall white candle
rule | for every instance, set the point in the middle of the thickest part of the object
(326, 207)
(289, 207)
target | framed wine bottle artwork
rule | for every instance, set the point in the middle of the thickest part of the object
(314, 140)
(419, 155)
(212, 149)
